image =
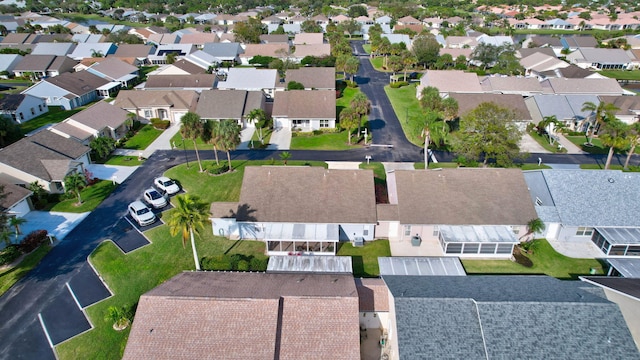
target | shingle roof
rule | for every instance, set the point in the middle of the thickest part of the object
(181, 81)
(66, 129)
(11, 101)
(452, 81)
(317, 50)
(30, 154)
(270, 49)
(223, 50)
(580, 196)
(462, 197)
(219, 302)
(114, 68)
(12, 194)
(134, 50)
(373, 294)
(305, 104)
(629, 286)
(250, 79)
(35, 63)
(469, 102)
(604, 56)
(317, 196)
(100, 115)
(627, 105)
(274, 38)
(511, 84)
(177, 99)
(189, 67)
(308, 38)
(58, 49)
(530, 317)
(313, 77)
(583, 86)
(228, 104)
(77, 83)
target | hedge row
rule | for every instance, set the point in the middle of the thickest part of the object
(236, 262)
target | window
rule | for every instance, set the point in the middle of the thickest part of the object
(148, 114)
(487, 248)
(162, 114)
(584, 231)
(40, 107)
(470, 248)
(300, 123)
(365, 232)
(454, 248)
(33, 111)
(324, 124)
(21, 116)
(618, 250)
(407, 230)
(436, 231)
(504, 249)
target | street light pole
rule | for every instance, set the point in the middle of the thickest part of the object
(184, 147)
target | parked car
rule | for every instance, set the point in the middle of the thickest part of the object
(154, 198)
(166, 185)
(141, 213)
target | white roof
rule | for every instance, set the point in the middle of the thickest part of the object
(249, 79)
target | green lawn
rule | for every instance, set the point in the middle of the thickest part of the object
(377, 63)
(597, 147)
(544, 142)
(121, 160)
(10, 276)
(224, 187)
(129, 276)
(365, 259)
(534, 167)
(91, 196)
(621, 74)
(326, 141)
(266, 134)
(188, 144)
(407, 109)
(367, 48)
(545, 261)
(345, 100)
(83, 18)
(55, 115)
(143, 138)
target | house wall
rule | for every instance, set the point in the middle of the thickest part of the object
(374, 320)
(392, 330)
(20, 209)
(227, 227)
(30, 109)
(568, 233)
(349, 232)
(313, 124)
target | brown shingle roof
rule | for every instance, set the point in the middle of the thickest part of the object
(13, 194)
(302, 104)
(317, 50)
(136, 99)
(463, 197)
(387, 212)
(313, 77)
(70, 130)
(100, 115)
(35, 63)
(199, 38)
(247, 316)
(469, 102)
(114, 67)
(134, 50)
(29, 153)
(181, 81)
(228, 104)
(307, 195)
(271, 49)
(373, 294)
(189, 67)
(77, 83)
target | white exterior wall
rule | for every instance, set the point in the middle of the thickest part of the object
(357, 230)
(392, 330)
(552, 231)
(568, 233)
(374, 320)
(31, 102)
(227, 227)
(20, 209)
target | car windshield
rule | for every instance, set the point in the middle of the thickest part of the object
(168, 183)
(154, 195)
(142, 211)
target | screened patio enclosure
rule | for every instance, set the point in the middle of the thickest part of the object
(617, 241)
(476, 240)
(301, 239)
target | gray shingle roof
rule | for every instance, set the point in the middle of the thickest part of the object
(228, 104)
(77, 83)
(629, 286)
(305, 104)
(506, 317)
(590, 198)
(313, 77)
(181, 81)
(13, 194)
(11, 101)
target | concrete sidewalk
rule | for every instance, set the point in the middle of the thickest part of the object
(571, 147)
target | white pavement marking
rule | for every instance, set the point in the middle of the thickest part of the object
(44, 328)
(73, 295)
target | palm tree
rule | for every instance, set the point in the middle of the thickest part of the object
(5, 236)
(229, 137)
(349, 119)
(545, 124)
(633, 138)
(449, 109)
(434, 131)
(192, 128)
(360, 103)
(535, 226)
(74, 183)
(260, 120)
(285, 156)
(602, 111)
(15, 222)
(211, 135)
(614, 135)
(189, 217)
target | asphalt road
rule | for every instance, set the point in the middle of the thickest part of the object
(44, 292)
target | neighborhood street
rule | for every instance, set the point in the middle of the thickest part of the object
(44, 297)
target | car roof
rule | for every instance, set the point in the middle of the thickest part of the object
(151, 190)
(163, 178)
(137, 205)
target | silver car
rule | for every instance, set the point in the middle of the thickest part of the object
(154, 198)
(141, 213)
(166, 185)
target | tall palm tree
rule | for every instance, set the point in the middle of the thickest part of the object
(74, 183)
(260, 119)
(614, 135)
(189, 217)
(192, 128)
(360, 103)
(229, 137)
(633, 138)
(349, 119)
(545, 124)
(602, 112)
(15, 222)
(449, 109)
(212, 136)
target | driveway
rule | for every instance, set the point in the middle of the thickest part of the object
(111, 172)
(58, 224)
(280, 139)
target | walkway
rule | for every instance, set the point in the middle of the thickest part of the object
(528, 144)
(280, 139)
(57, 224)
(245, 138)
(571, 147)
(111, 172)
(584, 249)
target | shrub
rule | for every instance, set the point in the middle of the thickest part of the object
(217, 169)
(243, 265)
(398, 84)
(33, 240)
(318, 132)
(575, 133)
(160, 124)
(259, 263)
(521, 259)
(351, 84)
(218, 262)
(9, 254)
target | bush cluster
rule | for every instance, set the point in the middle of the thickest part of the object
(236, 262)
(216, 169)
(160, 124)
(33, 240)
(398, 84)
(9, 254)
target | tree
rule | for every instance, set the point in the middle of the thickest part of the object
(360, 103)
(534, 226)
(486, 54)
(600, 112)
(102, 146)
(449, 109)
(613, 134)
(394, 63)
(430, 99)
(74, 183)
(357, 10)
(350, 27)
(171, 57)
(488, 131)
(229, 137)
(294, 85)
(260, 120)
(633, 137)
(38, 190)
(349, 119)
(434, 131)
(285, 156)
(211, 135)
(188, 218)
(408, 61)
(341, 63)
(352, 66)
(15, 223)
(96, 53)
(310, 26)
(426, 49)
(545, 126)
(192, 128)
(249, 32)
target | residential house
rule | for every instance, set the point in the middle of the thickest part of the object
(275, 50)
(199, 39)
(566, 109)
(409, 20)
(315, 50)
(571, 203)
(472, 317)
(140, 52)
(115, 70)
(594, 86)
(602, 59)
(180, 67)
(513, 102)
(308, 216)
(163, 39)
(99, 120)
(88, 38)
(384, 20)
(40, 66)
(308, 38)
(373, 297)
(571, 72)
(227, 52)
(313, 78)
(449, 81)
(495, 40)
(575, 42)
(251, 79)
(69, 90)
(160, 57)
(57, 49)
(304, 110)
(461, 42)
(288, 28)
(162, 104)
(398, 38)
(197, 82)
(86, 50)
(227, 19)
(538, 63)
(45, 157)
(340, 18)
(280, 305)
(22, 107)
(455, 212)
(19, 38)
(628, 107)
(16, 200)
(523, 86)
(545, 41)
(274, 39)
(7, 63)
(203, 60)
(230, 104)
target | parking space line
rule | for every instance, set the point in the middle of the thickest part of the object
(46, 333)
(73, 295)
